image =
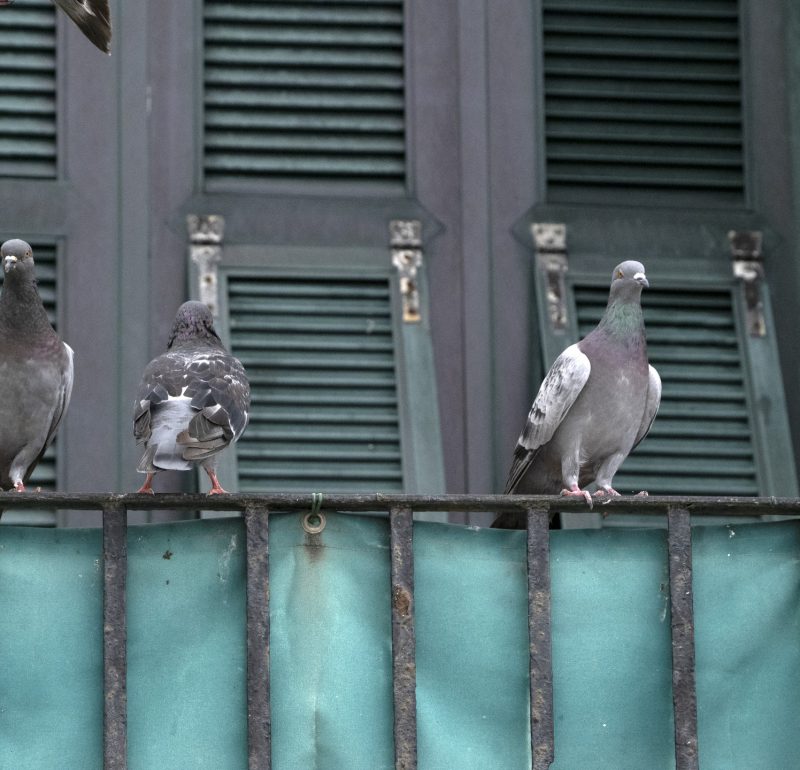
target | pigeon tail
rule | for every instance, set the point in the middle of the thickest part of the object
(93, 18)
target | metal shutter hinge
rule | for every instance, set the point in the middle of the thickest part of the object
(748, 267)
(550, 240)
(405, 238)
(205, 250)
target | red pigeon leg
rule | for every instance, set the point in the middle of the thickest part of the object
(216, 488)
(19, 486)
(147, 487)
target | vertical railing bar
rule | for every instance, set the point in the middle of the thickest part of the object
(259, 719)
(115, 706)
(539, 634)
(404, 666)
(684, 693)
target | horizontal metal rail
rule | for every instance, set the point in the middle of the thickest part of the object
(257, 510)
(655, 505)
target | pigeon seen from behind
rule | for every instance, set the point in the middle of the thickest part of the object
(192, 402)
(92, 17)
(35, 370)
(595, 405)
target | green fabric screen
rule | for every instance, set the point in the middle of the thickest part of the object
(331, 664)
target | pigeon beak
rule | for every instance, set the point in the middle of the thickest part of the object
(9, 263)
(642, 279)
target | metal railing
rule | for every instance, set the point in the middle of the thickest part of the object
(256, 510)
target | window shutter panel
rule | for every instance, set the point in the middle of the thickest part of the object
(303, 91)
(343, 390)
(28, 91)
(320, 356)
(643, 101)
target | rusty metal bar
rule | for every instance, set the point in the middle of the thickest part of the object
(541, 662)
(684, 693)
(115, 700)
(654, 505)
(259, 719)
(404, 666)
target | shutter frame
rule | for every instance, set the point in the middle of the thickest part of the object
(417, 418)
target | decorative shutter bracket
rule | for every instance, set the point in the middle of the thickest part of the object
(550, 240)
(205, 250)
(405, 238)
(748, 267)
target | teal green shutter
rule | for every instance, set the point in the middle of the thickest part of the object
(701, 442)
(343, 390)
(643, 101)
(320, 356)
(45, 474)
(28, 90)
(303, 92)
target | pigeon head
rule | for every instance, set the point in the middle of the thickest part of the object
(17, 258)
(193, 321)
(627, 281)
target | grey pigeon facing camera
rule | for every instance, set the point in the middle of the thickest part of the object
(35, 370)
(595, 405)
(192, 402)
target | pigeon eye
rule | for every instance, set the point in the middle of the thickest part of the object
(620, 274)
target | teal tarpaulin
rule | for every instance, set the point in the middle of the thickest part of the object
(331, 664)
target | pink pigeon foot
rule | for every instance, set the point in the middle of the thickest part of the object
(147, 487)
(216, 488)
(19, 486)
(576, 491)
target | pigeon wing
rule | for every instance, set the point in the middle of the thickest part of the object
(651, 405)
(63, 397)
(557, 394)
(221, 394)
(163, 377)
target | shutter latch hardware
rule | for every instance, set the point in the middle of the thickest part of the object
(406, 244)
(205, 251)
(550, 240)
(748, 267)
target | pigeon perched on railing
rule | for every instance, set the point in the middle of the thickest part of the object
(35, 370)
(595, 405)
(92, 17)
(192, 402)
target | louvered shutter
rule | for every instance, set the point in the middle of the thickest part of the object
(320, 356)
(702, 440)
(45, 474)
(303, 91)
(643, 101)
(28, 91)
(343, 391)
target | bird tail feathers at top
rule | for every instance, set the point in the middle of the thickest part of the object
(93, 18)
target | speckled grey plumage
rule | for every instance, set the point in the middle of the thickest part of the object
(595, 405)
(36, 369)
(193, 400)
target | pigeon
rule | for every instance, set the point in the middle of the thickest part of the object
(192, 402)
(595, 405)
(35, 370)
(92, 17)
